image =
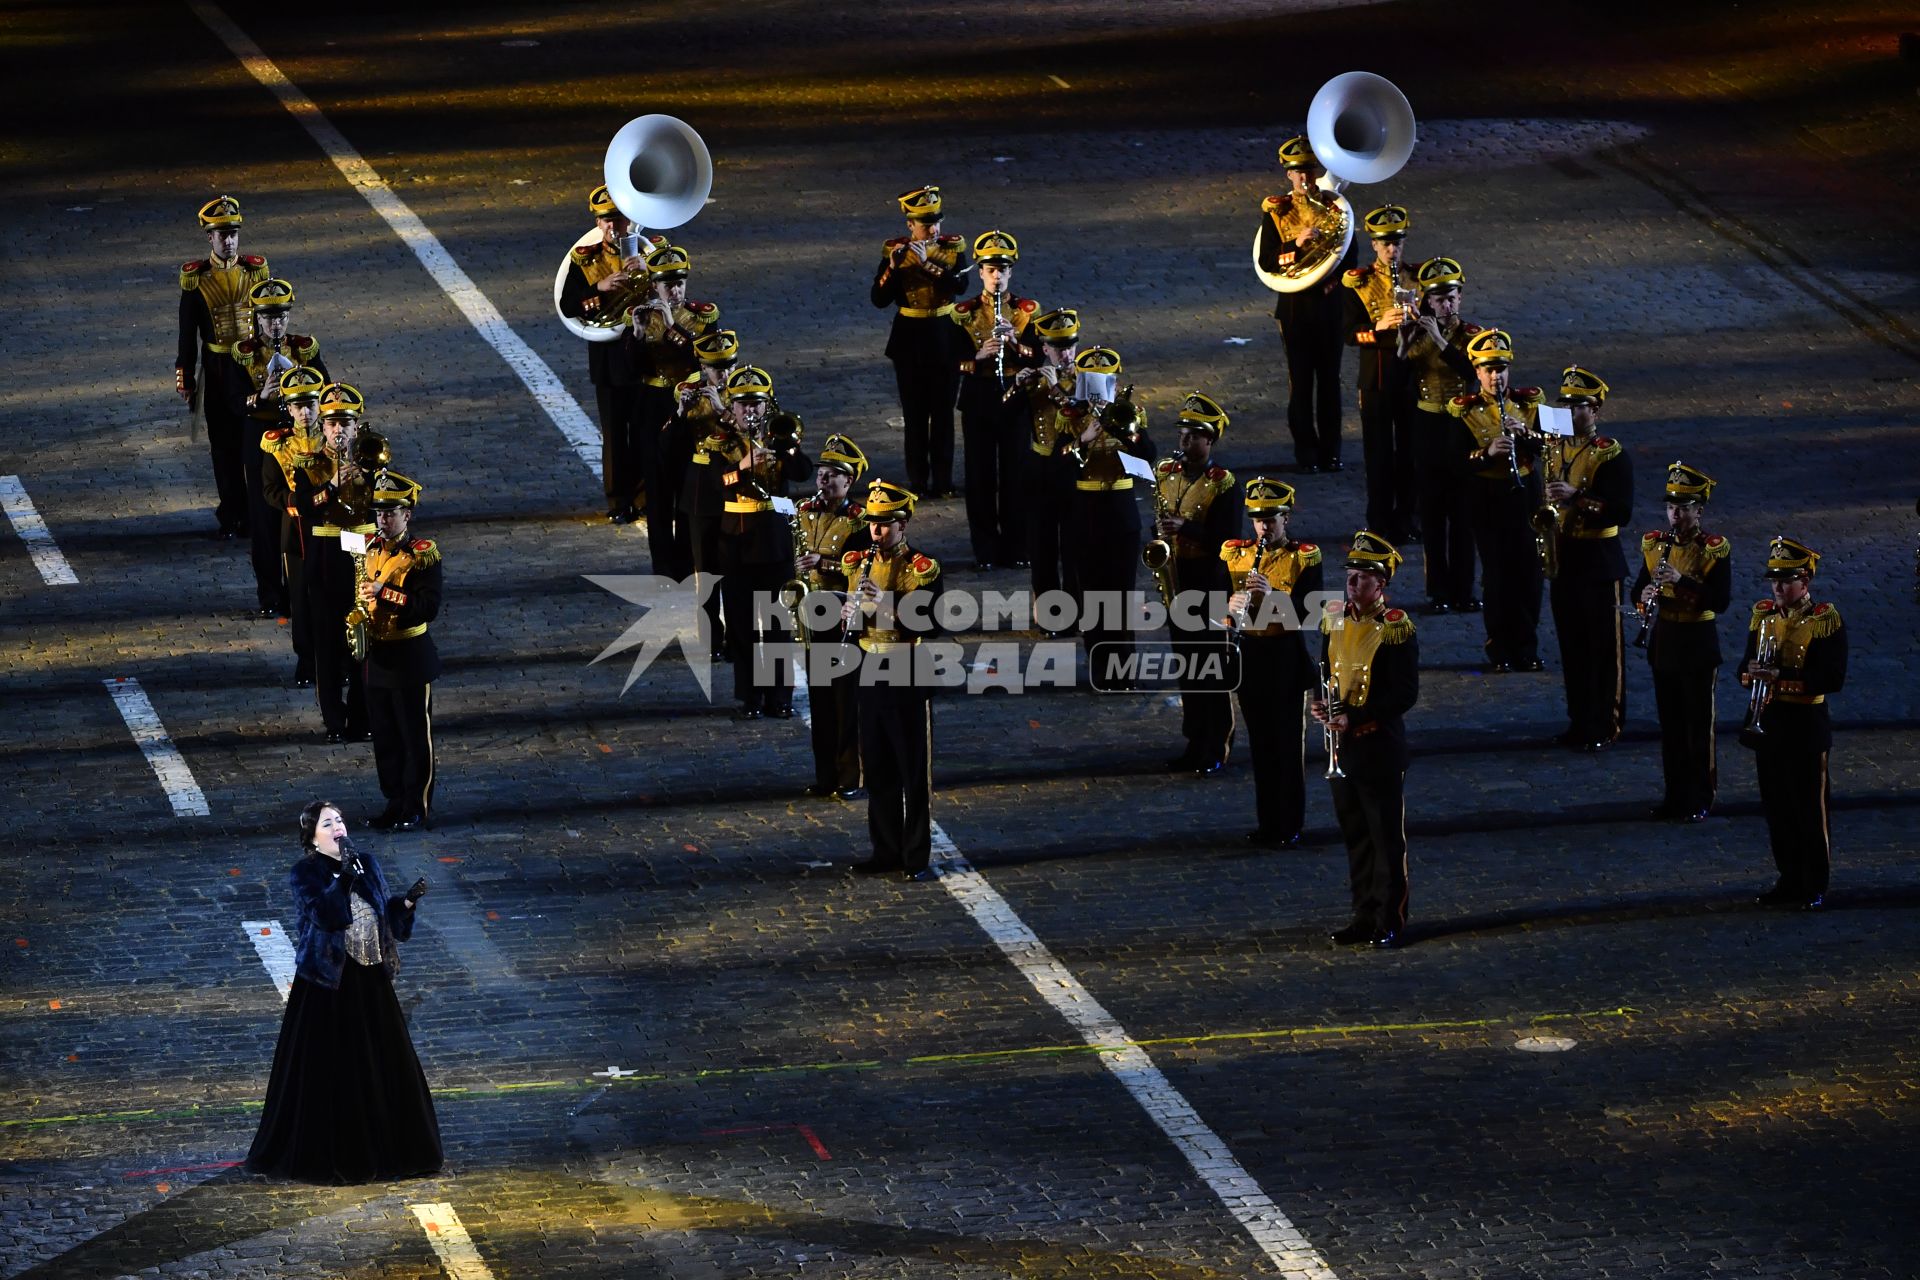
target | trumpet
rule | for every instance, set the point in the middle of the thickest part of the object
(1760, 688)
(1121, 420)
(1330, 696)
(1651, 614)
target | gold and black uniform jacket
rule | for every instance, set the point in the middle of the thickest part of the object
(1294, 570)
(1480, 414)
(921, 330)
(1209, 500)
(1436, 374)
(975, 318)
(1375, 661)
(1052, 431)
(399, 648)
(666, 350)
(1811, 653)
(1685, 636)
(255, 354)
(706, 439)
(833, 531)
(1104, 472)
(905, 572)
(214, 311)
(609, 364)
(292, 451)
(1590, 536)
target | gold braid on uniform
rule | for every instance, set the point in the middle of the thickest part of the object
(1396, 627)
(1822, 622)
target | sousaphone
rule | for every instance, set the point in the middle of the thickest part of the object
(1361, 130)
(659, 174)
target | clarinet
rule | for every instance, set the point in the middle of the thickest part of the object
(1651, 614)
(866, 572)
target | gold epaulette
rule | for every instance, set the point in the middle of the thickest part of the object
(425, 553)
(1762, 610)
(1271, 203)
(704, 312)
(1526, 395)
(1222, 477)
(1334, 609)
(1826, 620)
(585, 253)
(1310, 553)
(190, 276)
(1716, 547)
(1396, 627)
(1355, 278)
(1461, 406)
(1231, 549)
(1606, 449)
(1652, 535)
(270, 441)
(926, 568)
(307, 346)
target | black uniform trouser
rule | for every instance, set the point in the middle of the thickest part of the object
(1795, 790)
(1313, 343)
(1049, 506)
(1372, 809)
(338, 681)
(622, 444)
(1445, 504)
(1273, 704)
(663, 469)
(928, 387)
(223, 392)
(703, 548)
(1510, 569)
(896, 754)
(401, 720)
(1206, 709)
(996, 436)
(754, 589)
(1684, 701)
(1105, 550)
(299, 612)
(1593, 655)
(263, 528)
(836, 725)
(1386, 443)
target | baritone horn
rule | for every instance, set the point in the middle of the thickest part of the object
(1361, 130)
(659, 173)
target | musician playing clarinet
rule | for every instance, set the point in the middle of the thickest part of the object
(1684, 584)
(1503, 423)
(994, 425)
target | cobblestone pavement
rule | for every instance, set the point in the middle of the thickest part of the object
(664, 1039)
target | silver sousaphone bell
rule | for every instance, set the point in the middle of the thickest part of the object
(1361, 130)
(659, 174)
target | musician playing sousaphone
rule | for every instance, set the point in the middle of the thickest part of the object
(1372, 661)
(1796, 656)
(603, 279)
(1294, 226)
(1273, 576)
(1684, 584)
(399, 595)
(828, 527)
(263, 357)
(1503, 423)
(1588, 487)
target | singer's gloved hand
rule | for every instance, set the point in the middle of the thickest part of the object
(418, 891)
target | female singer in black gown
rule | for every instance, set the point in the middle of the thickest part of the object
(347, 1101)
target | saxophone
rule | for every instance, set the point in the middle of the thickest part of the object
(1549, 521)
(1158, 554)
(794, 592)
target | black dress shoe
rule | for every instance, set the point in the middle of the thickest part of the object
(925, 875)
(1596, 746)
(1530, 664)
(1469, 605)
(1307, 468)
(1502, 668)
(1384, 941)
(748, 713)
(410, 822)
(359, 735)
(1333, 464)
(1697, 815)
(303, 682)
(819, 792)
(1438, 607)
(875, 867)
(984, 566)
(1207, 768)
(850, 793)
(1180, 763)
(1271, 839)
(385, 819)
(781, 713)
(1354, 935)
(334, 737)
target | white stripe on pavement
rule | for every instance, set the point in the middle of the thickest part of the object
(450, 1241)
(276, 953)
(53, 567)
(1224, 1175)
(547, 389)
(183, 793)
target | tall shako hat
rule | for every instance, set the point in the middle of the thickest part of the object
(842, 454)
(271, 297)
(1579, 385)
(600, 204)
(1201, 413)
(301, 383)
(1688, 484)
(719, 346)
(922, 204)
(339, 400)
(750, 383)
(1789, 559)
(1388, 222)
(1058, 326)
(1490, 346)
(995, 248)
(1439, 273)
(888, 501)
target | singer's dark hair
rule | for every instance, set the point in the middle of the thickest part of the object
(310, 821)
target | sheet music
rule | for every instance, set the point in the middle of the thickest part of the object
(1139, 468)
(1555, 421)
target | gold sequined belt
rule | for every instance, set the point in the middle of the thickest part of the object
(1431, 406)
(1667, 614)
(926, 313)
(334, 530)
(1101, 486)
(657, 381)
(871, 644)
(408, 634)
(1611, 531)
(1801, 699)
(745, 506)
(223, 348)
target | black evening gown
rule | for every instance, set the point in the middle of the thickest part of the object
(347, 1101)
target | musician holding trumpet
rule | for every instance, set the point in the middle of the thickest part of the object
(665, 328)
(1272, 577)
(1372, 662)
(756, 542)
(827, 528)
(263, 357)
(1796, 655)
(702, 432)
(1380, 318)
(920, 274)
(1050, 471)
(1503, 423)
(332, 494)
(1196, 504)
(399, 595)
(1684, 584)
